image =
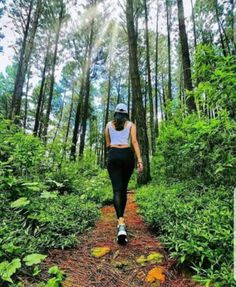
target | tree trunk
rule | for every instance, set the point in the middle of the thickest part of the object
(194, 26)
(185, 57)
(164, 115)
(19, 75)
(51, 89)
(87, 93)
(60, 119)
(67, 129)
(78, 111)
(41, 113)
(26, 101)
(129, 93)
(137, 94)
(169, 50)
(221, 28)
(118, 90)
(18, 90)
(107, 114)
(149, 82)
(156, 73)
(40, 97)
(132, 98)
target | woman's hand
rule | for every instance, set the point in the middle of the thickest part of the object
(140, 166)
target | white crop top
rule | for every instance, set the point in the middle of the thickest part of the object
(119, 137)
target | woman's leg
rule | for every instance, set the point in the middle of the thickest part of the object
(116, 179)
(114, 168)
(120, 168)
(127, 171)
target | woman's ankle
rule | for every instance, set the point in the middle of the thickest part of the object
(121, 220)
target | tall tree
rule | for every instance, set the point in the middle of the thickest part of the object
(194, 25)
(107, 109)
(59, 21)
(42, 86)
(149, 81)
(156, 71)
(86, 90)
(168, 21)
(185, 57)
(29, 32)
(79, 104)
(137, 94)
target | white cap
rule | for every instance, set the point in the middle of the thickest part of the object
(121, 108)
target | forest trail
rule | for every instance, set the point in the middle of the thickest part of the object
(119, 266)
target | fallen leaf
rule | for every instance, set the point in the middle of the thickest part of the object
(155, 274)
(141, 260)
(155, 257)
(100, 251)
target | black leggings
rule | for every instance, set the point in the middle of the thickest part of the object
(120, 167)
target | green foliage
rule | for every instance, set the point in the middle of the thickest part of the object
(7, 269)
(33, 259)
(44, 202)
(215, 76)
(197, 148)
(190, 201)
(20, 202)
(196, 225)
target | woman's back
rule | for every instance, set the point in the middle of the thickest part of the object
(120, 137)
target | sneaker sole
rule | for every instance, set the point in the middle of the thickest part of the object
(122, 238)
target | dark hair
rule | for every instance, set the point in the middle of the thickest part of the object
(119, 120)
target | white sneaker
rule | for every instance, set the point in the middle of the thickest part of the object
(121, 234)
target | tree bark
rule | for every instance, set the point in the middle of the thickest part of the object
(87, 93)
(156, 73)
(137, 94)
(78, 110)
(107, 113)
(185, 58)
(23, 65)
(19, 75)
(60, 119)
(194, 26)
(40, 97)
(51, 89)
(26, 100)
(149, 82)
(169, 50)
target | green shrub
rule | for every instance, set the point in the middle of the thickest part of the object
(44, 203)
(195, 224)
(197, 148)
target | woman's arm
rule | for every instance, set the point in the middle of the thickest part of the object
(107, 136)
(136, 148)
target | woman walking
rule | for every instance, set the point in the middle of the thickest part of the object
(119, 133)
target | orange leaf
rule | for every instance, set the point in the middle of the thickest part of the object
(154, 274)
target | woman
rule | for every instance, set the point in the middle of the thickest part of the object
(121, 162)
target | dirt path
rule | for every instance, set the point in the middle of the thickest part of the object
(120, 266)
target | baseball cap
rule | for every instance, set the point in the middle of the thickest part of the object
(121, 108)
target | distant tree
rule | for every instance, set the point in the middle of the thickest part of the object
(149, 80)
(6, 89)
(185, 57)
(27, 13)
